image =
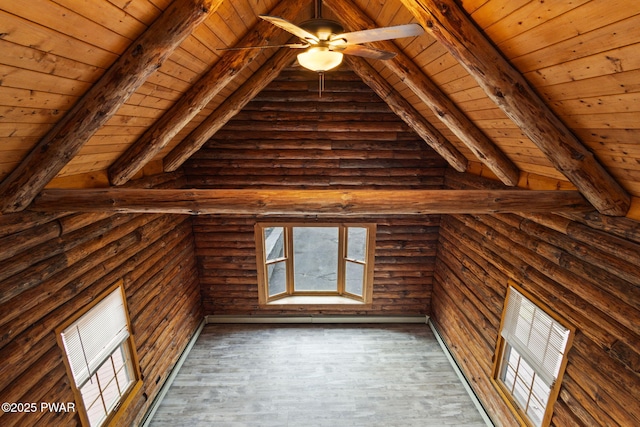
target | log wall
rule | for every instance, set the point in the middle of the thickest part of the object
(290, 137)
(403, 273)
(51, 265)
(584, 268)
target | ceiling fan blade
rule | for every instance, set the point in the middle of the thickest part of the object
(291, 28)
(377, 34)
(291, 45)
(366, 52)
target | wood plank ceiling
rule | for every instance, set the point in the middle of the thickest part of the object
(542, 95)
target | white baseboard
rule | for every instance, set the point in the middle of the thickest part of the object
(461, 376)
(316, 319)
(172, 375)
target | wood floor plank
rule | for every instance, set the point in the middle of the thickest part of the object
(317, 375)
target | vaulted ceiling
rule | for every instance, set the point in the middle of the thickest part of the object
(542, 95)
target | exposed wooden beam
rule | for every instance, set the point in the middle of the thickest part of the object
(308, 202)
(228, 109)
(143, 57)
(406, 112)
(412, 76)
(449, 24)
(198, 96)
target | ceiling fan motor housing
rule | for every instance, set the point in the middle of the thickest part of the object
(323, 28)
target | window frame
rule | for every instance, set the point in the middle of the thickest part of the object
(315, 297)
(499, 362)
(127, 344)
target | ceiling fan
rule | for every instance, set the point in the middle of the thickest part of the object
(324, 40)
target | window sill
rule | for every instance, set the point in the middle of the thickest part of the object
(315, 300)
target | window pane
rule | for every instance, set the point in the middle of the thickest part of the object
(102, 338)
(509, 377)
(538, 403)
(541, 391)
(356, 243)
(107, 386)
(354, 278)
(124, 368)
(525, 372)
(521, 393)
(530, 392)
(92, 401)
(276, 278)
(273, 243)
(534, 346)
(315, 258)
(107, 378)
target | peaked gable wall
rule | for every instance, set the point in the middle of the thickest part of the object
(290, 137)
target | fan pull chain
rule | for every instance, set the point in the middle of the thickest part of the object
(320, 84)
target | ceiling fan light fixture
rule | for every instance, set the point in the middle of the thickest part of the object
(320, 59)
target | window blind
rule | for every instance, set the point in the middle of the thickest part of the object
(95, 335)
(535, 335)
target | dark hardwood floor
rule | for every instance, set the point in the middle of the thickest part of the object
(317, 375)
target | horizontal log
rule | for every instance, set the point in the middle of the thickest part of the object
(304, 97)
(267, 141)
(480, 240)
(232, 106)
(486, 328)
(617, 375)
(488, 302)
(552, 285)
(317, 126)
(298, 74)
(315, 202)
(31, 378)
(11, 224)
(304, 182)
(598, 387)
(389, 224)
(27, 239)
(457, 334)
(562, 415)
(540, 250)
(273, 105)
(311, 135)
(307, 152)
(603, 268)
(431, 176)
(589, 411)
(163, 348)
(294, 115)
(626, 228)
(409, 114)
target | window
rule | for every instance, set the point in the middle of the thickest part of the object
(100, 357)
(530, 358)
(299, 261)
